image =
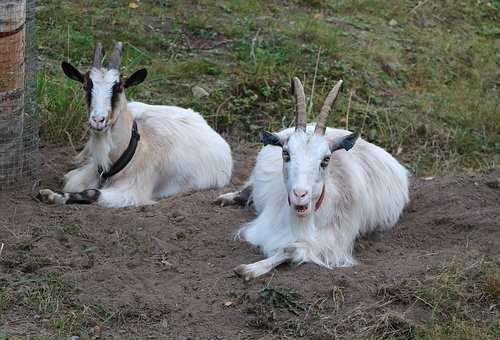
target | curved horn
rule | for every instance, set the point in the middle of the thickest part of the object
(300, 117)
(97, 55)
(114, 60)
(325, 110)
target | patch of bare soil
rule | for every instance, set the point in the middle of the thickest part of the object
(166, 269)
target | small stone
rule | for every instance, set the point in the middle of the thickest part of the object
(495, 184)
(199, 92)
(393, 23)
(167, 265)
(179, 218)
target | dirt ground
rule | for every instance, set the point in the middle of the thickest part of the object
(167, 268)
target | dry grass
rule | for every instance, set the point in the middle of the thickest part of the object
(458, 301)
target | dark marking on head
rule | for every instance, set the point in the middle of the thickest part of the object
(268, 138)
(115, 96)
(87, 86)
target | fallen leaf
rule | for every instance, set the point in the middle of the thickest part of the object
(399, 150)
(97, 332)
(133, 5)
(229, 303)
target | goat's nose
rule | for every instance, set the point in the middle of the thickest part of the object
(98, 119)
(300, 193)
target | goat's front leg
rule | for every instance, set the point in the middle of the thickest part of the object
(83, 197)
(253, 270)
(122, 193)
(82, 178)
(241, 197)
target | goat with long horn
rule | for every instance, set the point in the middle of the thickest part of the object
(315, 190)
(138, 153)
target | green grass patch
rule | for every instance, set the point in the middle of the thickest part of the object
(50, 303)
(46, 296)
(421, 78)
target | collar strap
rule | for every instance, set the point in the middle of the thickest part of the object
(320, 199)
(124, 159)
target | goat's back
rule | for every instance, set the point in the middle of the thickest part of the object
(190, 150)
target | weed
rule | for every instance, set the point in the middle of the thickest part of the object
(284, 298)
(68, 228)
(47, 295)
(420, 72)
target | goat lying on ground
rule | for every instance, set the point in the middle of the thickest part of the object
(315, 192)
(138, 152)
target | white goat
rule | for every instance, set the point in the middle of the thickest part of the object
(315, 192)
(137, 152)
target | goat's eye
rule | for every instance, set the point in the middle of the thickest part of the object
(286, 156)
(324, 162)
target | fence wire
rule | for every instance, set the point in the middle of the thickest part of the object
(19, 120)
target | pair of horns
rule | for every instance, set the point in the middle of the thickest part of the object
(301, 115)
(114, 60)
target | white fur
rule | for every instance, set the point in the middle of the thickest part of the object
(366, 189)
(178, 151)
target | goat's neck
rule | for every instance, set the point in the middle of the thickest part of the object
(106, 147)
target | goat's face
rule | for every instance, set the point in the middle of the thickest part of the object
(104, 88)
(306, 156)
(305, 164)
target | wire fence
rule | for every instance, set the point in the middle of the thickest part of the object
(19, 120)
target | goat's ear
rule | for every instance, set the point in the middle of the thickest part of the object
(136, 78)
(268, 138)
(345, 143)
(72, 72)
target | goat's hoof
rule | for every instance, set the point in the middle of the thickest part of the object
(243, 272)
(46, 196)
(49, 197)
(226, 199)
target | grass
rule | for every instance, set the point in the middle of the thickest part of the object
(457, 301)
(49, 302)
(425, 87)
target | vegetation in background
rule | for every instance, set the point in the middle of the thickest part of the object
(421, 77)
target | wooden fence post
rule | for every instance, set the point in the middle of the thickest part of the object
(12, 73)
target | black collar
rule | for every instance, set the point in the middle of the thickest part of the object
(124, 159)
